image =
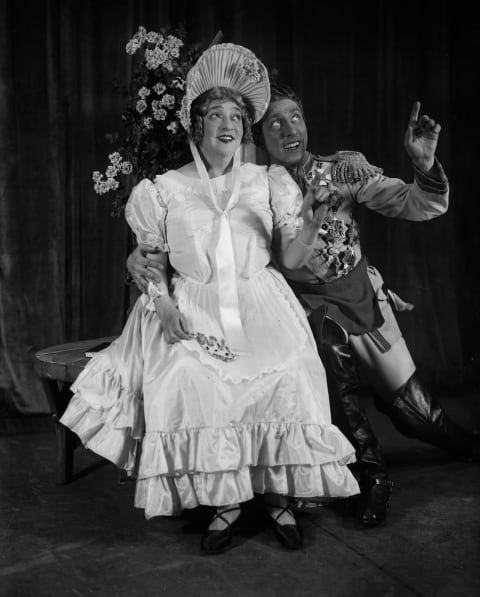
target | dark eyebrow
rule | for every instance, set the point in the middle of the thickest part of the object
(274, 115)
(221, 106)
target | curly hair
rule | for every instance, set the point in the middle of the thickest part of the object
(200, 106)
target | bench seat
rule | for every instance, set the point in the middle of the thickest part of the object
(58, 367)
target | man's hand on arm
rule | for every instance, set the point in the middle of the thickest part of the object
(144, 265)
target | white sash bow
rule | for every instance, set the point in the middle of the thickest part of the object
(225, 257)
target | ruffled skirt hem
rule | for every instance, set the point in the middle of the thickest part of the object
(217, 466)
(120, 444)
(213, 449)
(168, 495)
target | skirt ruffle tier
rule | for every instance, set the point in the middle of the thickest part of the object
(210, 466)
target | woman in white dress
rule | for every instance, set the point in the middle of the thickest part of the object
(214, 391)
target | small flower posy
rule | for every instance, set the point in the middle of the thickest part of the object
(110, 183)
(251, 69)
(215, 347)
(153, 141)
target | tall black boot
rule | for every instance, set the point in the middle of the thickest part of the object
(416, 413)
(350, 417)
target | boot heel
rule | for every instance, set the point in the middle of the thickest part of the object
(374, 509)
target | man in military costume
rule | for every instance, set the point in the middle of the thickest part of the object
(349, 309)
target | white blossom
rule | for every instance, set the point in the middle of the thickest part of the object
(113, 184)
(168, 100)
(179, 83)
(159, 88)
(101, 187)
(154, 38)
(137, 40)
(115, 158)
(143, 92)
(141, 106)
(156, 57)
(111, 171)
(173, 45)
(126, 167)
(132, 46)
(160, 114)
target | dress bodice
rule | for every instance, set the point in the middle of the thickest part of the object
(177, 214)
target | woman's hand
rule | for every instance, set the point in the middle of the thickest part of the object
(315, 206)
(316, 203)
(144, 265)
(173, 322)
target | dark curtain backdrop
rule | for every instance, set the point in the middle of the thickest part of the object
(359, 67)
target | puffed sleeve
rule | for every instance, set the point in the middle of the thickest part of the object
(146, 212)
(285, 199)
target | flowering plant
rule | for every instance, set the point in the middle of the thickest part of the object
(153, 141)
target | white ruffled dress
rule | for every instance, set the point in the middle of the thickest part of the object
(192, 428)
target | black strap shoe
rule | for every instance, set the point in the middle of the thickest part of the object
(373, 508)
(216, 541)
(289, 535)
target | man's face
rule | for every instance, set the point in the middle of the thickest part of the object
(285, 133)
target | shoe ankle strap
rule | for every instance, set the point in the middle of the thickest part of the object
(283, 509)
(220, 514)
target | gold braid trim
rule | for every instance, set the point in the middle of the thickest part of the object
(351, 167)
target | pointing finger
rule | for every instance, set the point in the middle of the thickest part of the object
(414, 113)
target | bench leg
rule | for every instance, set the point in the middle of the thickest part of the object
(66, 441)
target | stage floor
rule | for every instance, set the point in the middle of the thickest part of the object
(86, 538)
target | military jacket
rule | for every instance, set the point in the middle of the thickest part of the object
(353, 181)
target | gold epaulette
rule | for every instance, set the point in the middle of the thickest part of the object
(350, 167)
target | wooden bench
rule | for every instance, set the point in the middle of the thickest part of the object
(58, 366)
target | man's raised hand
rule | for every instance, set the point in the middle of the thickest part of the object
(421, 138)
